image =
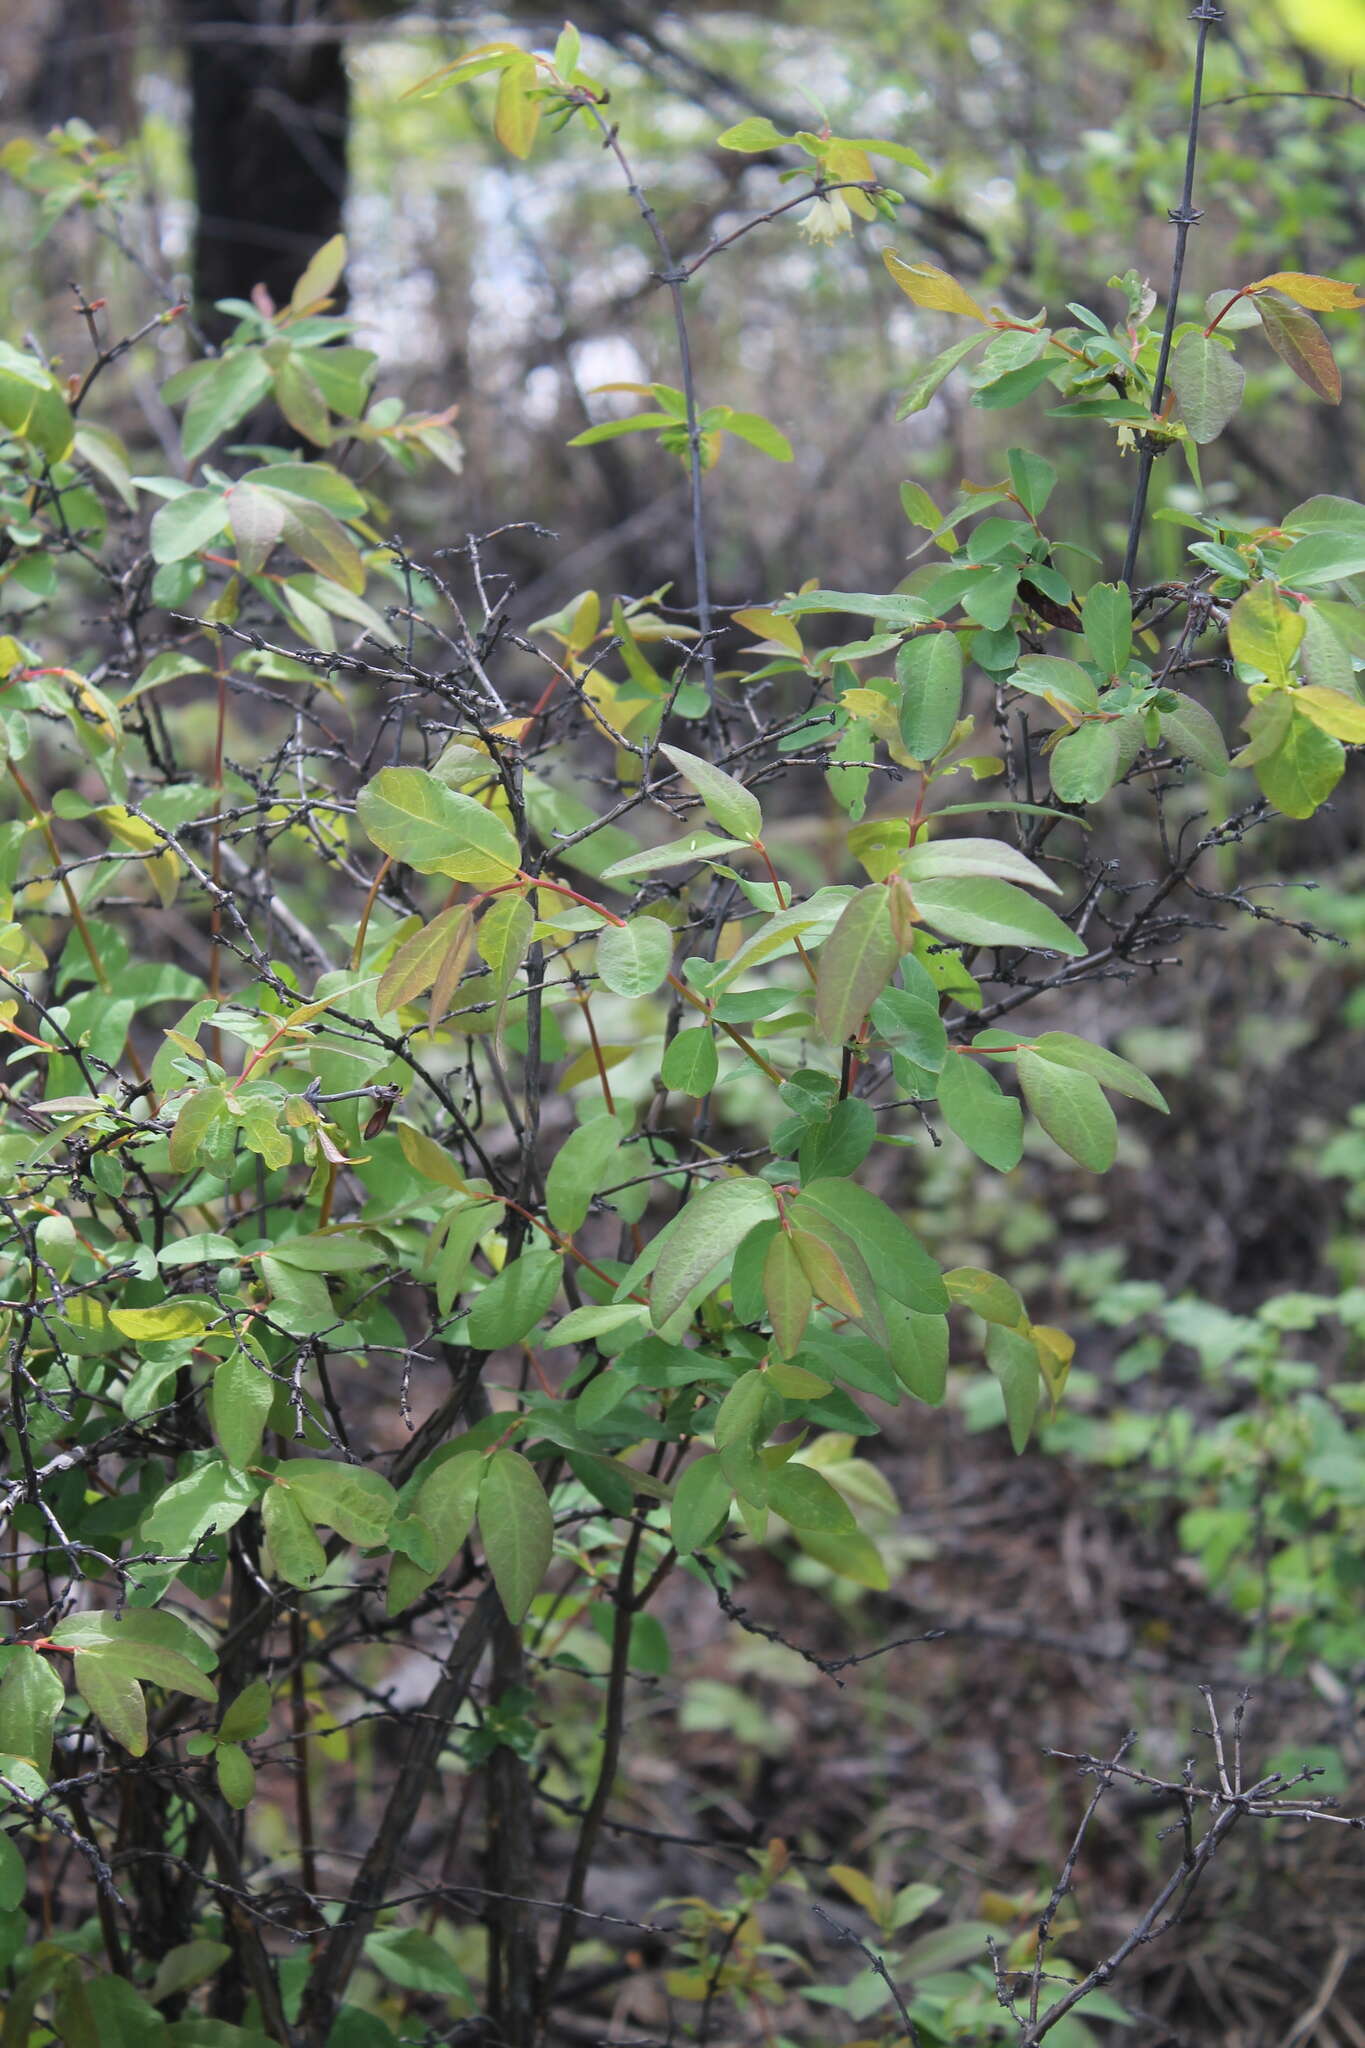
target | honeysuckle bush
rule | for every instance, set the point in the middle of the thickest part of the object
(465, 1083)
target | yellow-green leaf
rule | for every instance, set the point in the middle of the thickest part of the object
(933, 288)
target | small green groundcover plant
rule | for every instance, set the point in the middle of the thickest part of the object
(458, 1145)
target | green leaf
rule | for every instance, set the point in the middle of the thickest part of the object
(1321, 558)
(742, 1422)
(187, 523)
(512, 1304)
(807, 1500)
(991, 913)
(1208, 381)
(31, 1696)
(989, 1122)
(223, 394)
(236, 1774)
(702, 1240)
(1265, 632)
(850, 1555)
(351, 1499)
(910, 1023)
(761, 434)
(114, 1697)
(445, 1502)
(690, 1063)
(1107, 617)
(896, 1259)
(701, 1505)
(1014, 387)
(186, 1966)
(734, 808)
(212, 1499)
(1107, 1067)
(933, 860)
(634, 958)
(1014, 1362)
(696, 846)
(917, 1346)
(934, 374)
(417, 1962)
(929, 672)
(1304, 769)
(417, 820)
(856, 962)
(1193, 731)
(1061, 683)
(249, 1713)
(898, 609)
(753, 135)
(239, 1406)
(1033, 478)
(578, 1169)
(517, 1529)
(1086, 764)
(1071, 1108)
(299, 1557)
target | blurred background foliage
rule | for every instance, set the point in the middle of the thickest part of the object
(1201, 1503)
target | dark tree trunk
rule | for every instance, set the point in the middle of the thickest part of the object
(270, 101)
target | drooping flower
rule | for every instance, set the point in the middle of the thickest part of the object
(826, 218)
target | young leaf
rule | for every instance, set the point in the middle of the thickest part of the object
(787, 1293)
(986, 1295)
(1033, 478)
(249, 1714)
(1343, 717)
(418, 961)
(742, 1422)
(734, 808)
(1298, 340)
(926, 285)
(1322, 294)
(1265, 632)
(517, 1529)
(755, 134)
(856, 962)
(1304, 769)
(633, 958)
